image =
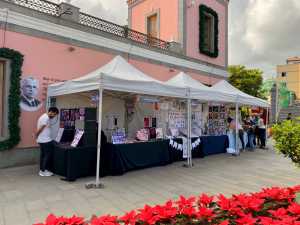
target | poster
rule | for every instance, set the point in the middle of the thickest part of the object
(29, 94)
(77, 137)
(59, 135)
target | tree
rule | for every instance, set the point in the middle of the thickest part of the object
(287, 139)
(247, 80)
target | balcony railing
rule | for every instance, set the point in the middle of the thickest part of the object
(53, 9)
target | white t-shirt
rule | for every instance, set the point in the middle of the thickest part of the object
(261, 124)
(45, 135)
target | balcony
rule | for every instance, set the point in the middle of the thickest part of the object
(53, 9)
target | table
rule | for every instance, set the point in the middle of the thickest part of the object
(177, 155)
(74, 163)
(211, 145)
(139, 155)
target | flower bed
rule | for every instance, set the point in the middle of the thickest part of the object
(271, 206)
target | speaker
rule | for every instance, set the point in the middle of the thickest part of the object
(90, 114)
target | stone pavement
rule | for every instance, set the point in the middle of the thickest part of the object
(26, 198)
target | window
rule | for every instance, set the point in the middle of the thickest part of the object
(208, 44)
(208, 31)
(283, 74)
(152, 26)
(2, 99)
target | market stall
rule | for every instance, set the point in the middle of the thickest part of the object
(118, 76)
(240, 99)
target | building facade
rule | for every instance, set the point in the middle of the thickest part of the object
(290, 75)
(59, 43)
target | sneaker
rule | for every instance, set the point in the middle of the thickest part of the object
(44, 174)
(49, 172)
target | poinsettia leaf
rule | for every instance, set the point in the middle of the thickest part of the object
(297, 199)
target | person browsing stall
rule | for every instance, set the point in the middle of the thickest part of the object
(43, 138)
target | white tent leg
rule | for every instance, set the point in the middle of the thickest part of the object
(98, 184)
(190, 133)
(267, 124)
(237, 150)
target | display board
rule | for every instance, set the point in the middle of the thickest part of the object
(217, 120)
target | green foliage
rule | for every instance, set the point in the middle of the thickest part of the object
(16, 61)
(203, 9)
(287, 139)
(247, 80)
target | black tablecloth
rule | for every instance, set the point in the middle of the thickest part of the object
(177, 155)
(214, 144)
(127, 157)
(73, 163)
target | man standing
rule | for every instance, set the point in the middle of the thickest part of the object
(45, 141)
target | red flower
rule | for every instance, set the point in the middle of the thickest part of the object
(205, 212)
(53, 220)
(294, 208)
(167, 211)
(129, 218)
(147, 215)
(281, 212)
(225, 222)
(205, 200)
(246, 220)
(105, 220)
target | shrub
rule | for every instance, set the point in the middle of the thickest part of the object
(287, 139)
(271, 206)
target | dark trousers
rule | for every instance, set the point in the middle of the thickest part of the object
(241, 136)
(262, 137)
(46, 156)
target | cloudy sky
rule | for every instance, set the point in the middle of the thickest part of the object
(262, 33)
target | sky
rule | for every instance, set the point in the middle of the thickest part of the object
(262, 33)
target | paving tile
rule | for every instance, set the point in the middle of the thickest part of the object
(26, 198)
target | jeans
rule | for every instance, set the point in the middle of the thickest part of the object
(46, 155)
(262, 137)
(251, 138)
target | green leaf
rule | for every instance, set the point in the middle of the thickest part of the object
(297, 198)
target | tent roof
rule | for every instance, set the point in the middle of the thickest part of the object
(198, 90)
(184, 80)
(241, 97)
(117, 75)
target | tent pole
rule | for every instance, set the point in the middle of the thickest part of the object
(267, 124)
(99, 137)
(189, 133)
(236, 129)
(98, 184)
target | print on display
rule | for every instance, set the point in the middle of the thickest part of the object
(29, 94)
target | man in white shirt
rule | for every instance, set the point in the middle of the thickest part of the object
(45, 141)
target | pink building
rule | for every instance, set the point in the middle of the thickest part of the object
(58, 42)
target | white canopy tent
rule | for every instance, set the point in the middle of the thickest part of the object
(198, 91)
(241, 99)
(117, 75)
(222, 92)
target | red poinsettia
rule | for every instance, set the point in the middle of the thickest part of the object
(53, 220)
(271, 206)
(105, 220)
(205, 200)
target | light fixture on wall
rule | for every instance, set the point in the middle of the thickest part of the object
(71, 49)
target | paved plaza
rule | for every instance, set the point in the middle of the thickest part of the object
(26, 198)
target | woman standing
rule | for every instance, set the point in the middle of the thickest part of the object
(262, 132)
